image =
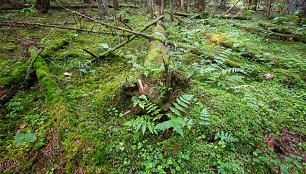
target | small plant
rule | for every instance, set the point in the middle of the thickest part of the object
(29, 10)
(175, 115)
(224, 138)
(204, 117)
(21, 139)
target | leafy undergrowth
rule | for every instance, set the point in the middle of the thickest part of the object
(236, 115)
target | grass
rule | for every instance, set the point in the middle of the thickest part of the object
(80, 133)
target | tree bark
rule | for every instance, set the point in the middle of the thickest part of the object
(270, 9)
(102, 6)
(116, 4)
(296, 7)
(201, 5)
(162, 7)
(43, 5)
(223, 4)
(150, 6)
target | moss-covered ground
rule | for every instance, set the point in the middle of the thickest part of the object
(78, 110)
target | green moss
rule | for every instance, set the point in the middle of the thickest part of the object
(109, 94)
(15, 78)
(46, 80)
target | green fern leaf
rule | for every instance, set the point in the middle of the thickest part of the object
(179, 107)
(182, 103)
(175, 111)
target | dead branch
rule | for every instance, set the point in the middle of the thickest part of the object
(27, 24)
(129, 40)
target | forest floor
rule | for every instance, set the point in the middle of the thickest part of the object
(247, 112)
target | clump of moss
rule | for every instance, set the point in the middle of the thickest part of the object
(45, 80)
(15, 78)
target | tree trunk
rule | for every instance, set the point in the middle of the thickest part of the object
(150, 6)
(188, 5)
(254, 5)
(43, 5)
(223, 4)
(296, 7)
(182, 5)
(162, 7)
(102, 6)
(116, 4)
(270, 9)
(201, 5)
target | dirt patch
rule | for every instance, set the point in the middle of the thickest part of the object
(286, 144)
(50, 156)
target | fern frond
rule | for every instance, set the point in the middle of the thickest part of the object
(204, 117)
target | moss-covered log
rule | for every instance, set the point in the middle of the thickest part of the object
(272, 34)
(10, 84)
(157, 52)
(20, 77)
(252, 54)
(46, 80)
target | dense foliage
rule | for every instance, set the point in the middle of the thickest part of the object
(219, 88)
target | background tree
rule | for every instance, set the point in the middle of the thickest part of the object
(102, 5)
(116, 4)
(295, 6)
(43, 5)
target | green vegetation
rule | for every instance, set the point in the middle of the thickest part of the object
(237, 105)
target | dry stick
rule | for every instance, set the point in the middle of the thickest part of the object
(231, 7)
(180, 45)
(129, 40)
(22, 24)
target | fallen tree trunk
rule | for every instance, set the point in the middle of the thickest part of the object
(27, 24)
(127, 41)
(166, 42)
(248, 53)
(20, 77)
(289, 37)
(275, 28)
(157, 52)
(9, 85)
(234, 17)
(66, 6)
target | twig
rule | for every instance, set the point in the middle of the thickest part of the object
(27, 24)
(90, 53)
(129, 40)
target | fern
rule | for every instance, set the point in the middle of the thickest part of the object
(176, 113)
(204, 117)
(232, 70)
(180, 105)
(177, 124)
(144, 123)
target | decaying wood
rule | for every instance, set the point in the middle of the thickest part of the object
(231, 7)
(129, 40)
(30, 68)
(272, 34)
(234, 17)
(67, 6)
(28, 24)
(190, 48)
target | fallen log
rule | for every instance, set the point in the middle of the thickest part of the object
(28, 24)
(9, 85)
(66, 6)
(233, 17)
(20, 77)
(127, 41)
(248, 53)
(288, 37)
(275, 28)
(166, 42)
(45, 80)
